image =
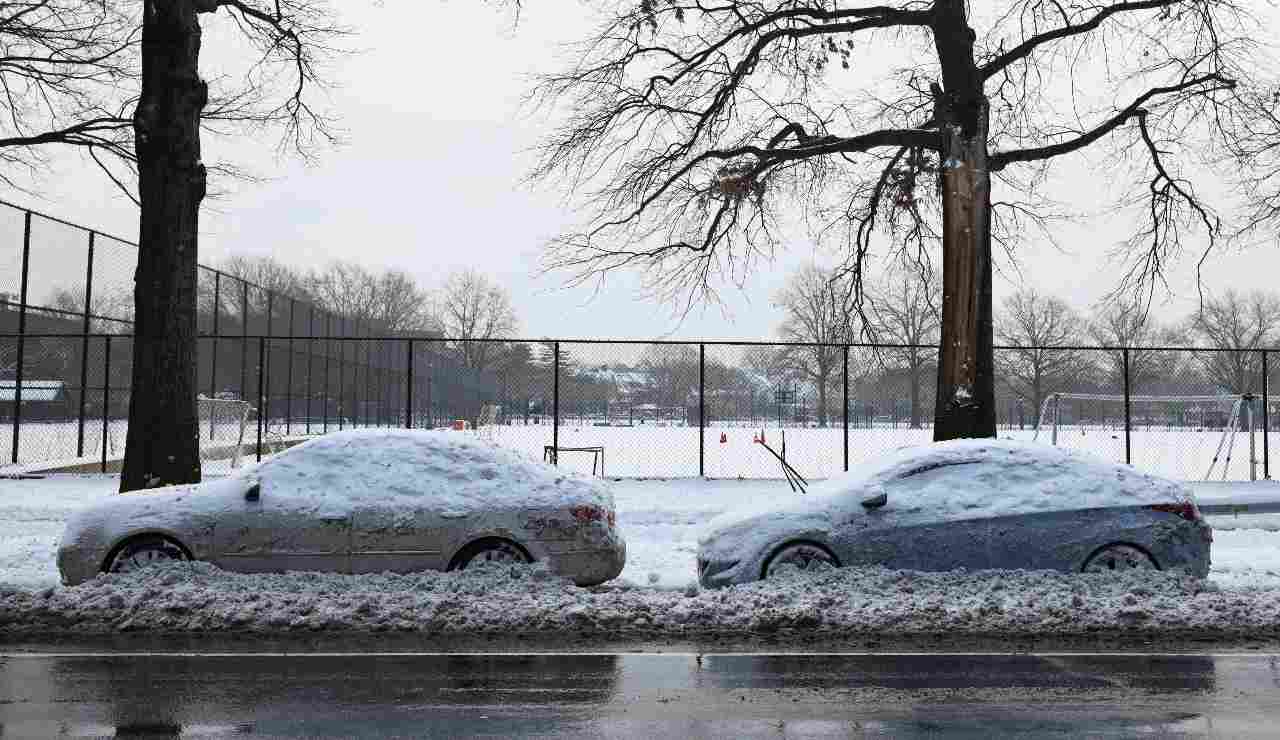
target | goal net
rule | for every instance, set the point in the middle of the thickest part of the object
(1206, 427)
(223, 422)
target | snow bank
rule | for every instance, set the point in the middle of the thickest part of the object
(187, 597)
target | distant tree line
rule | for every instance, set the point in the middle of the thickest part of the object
(1045, 343)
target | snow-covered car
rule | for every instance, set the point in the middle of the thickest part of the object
(972, 504)
(364, 501)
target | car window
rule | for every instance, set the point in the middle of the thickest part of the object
(943, 484)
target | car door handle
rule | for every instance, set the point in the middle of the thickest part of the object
(334, 519)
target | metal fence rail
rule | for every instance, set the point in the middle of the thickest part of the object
(660, 409)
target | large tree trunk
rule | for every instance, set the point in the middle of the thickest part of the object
(965, 404)
(162, 447)
(966, 378)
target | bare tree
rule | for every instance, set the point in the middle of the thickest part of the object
(289, 38)
(268, 274)
(819, 314)
(1040, 331)
(1127, 326)
(906, 311)
(108, 312)
(249, 287)
(474, 309)
(693, 128)
(1241, 323)
(389, 302)
(673, 377)
(66, 68)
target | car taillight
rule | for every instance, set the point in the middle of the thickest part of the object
(1187, 510)
(587, 514)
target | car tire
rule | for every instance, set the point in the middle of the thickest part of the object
(141, 552)
(492, 550)
(801, 555)
(1119, 557)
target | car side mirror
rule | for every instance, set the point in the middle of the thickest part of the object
(876, 500)
(254, 493)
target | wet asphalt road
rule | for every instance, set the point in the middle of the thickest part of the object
(639, 695)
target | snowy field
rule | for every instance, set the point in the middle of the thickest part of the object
(656, 592)
(670, 452)
(648, 451)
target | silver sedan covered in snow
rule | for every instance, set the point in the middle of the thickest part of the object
(971, 504)
(361, 502)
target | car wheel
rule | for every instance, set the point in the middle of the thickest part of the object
(801, 555)
(1119, 557)
(145, 551)
(490, 551)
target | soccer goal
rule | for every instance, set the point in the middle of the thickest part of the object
(1223, 417)
(223, 422)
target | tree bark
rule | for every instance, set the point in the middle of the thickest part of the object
(966, 378)
(162, 447)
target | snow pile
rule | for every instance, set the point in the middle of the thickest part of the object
(196, 597)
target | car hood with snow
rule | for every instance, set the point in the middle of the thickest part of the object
(1035, 478)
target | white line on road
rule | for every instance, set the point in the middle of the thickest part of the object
(625, 653)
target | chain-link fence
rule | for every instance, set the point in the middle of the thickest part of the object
(634, 409)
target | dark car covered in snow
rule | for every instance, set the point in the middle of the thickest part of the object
(972, 504)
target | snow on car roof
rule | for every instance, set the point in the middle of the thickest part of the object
(383, 465)
(1028, 478)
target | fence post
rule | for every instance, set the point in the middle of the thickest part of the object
(22, 331)
(702, 410)
(431, 411)
(342, 378)
(270, 313)
(408, 387)
(288, 396)
(213, 348)
(328, 355)
(84, 348)
(311, 352)
(555, 404)
(262, 367)
(845, 416)
(106, 396)
(1266, 422)
(1128, 437)
(244, 334)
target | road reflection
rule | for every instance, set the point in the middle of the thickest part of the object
(640, 695)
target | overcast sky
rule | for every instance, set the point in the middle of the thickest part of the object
(429, 181)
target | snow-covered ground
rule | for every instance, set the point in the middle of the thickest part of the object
(652, 451)
(648, 451)
(660, 519)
